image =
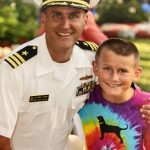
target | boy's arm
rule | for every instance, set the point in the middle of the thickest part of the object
(5, 143)
(146, 139)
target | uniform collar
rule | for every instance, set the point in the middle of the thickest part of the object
(43, 59)
(44, 63)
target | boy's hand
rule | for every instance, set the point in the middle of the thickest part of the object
(145, 110)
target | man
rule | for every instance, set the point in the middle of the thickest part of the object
(44, 82)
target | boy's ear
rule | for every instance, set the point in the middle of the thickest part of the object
(138, 72)
(95, 68)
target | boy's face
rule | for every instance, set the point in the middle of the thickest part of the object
(115, 75)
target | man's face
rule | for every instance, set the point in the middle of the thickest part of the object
(115, 75)
(64, 26)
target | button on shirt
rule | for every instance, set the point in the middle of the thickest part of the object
(37, 104)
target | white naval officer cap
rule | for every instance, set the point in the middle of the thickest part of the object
(81, 4)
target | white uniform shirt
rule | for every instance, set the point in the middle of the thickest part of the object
(42, 125)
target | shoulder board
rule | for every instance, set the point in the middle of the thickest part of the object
(21, 56)
(87, 45)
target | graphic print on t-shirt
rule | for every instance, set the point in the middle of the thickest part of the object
(119, 130)
(105, 128)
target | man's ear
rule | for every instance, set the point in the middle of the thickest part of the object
(43, 18)
(86, 22)
(138, 72)
(95, 68)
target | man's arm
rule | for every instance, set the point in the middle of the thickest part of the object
(5, 143)
(145, 110)
(146, 138)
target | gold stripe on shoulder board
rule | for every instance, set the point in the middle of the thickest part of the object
(87, 45)
(15, 59)
(92, 45)
(21, 56)
(11, 62)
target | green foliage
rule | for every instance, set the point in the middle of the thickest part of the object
(17, 20)
(143, 46)
(121, 11)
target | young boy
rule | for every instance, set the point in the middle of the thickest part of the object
(111, 117)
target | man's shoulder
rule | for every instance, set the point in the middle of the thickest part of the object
(86, 48)
(22, 54)
(87, 45)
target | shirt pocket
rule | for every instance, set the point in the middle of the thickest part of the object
(36, 104)
(34, 115)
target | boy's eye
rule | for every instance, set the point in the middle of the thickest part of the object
(106, 68)
(123, 70)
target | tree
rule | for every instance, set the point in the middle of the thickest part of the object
(17, 20)
(120, 11)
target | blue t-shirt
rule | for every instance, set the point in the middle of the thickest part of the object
(111, 126)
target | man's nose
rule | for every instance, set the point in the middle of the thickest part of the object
(65, 22)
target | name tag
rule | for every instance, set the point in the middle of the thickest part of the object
(39, 98)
